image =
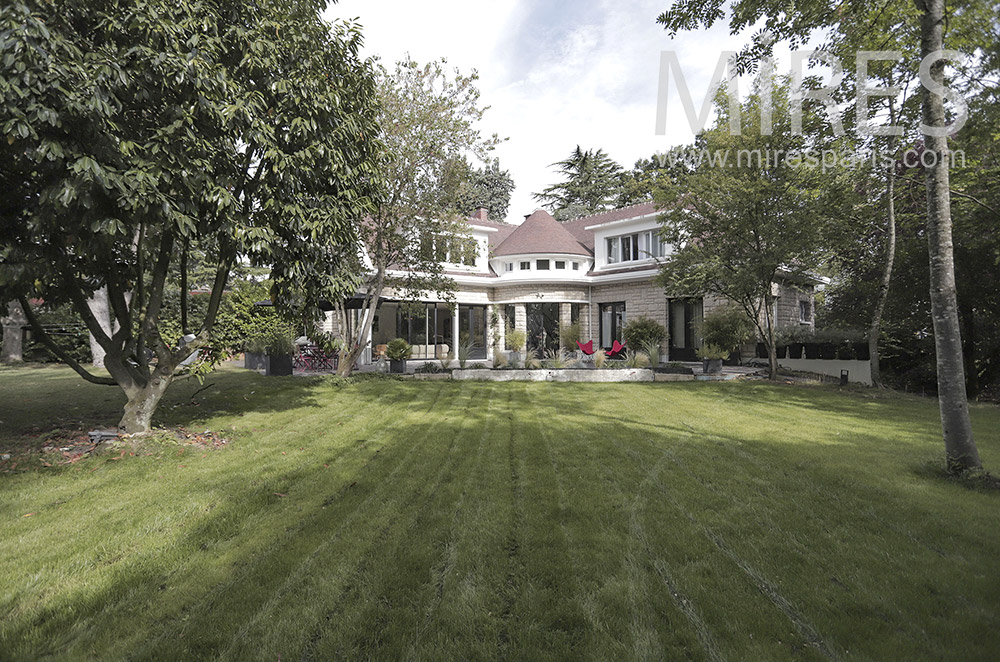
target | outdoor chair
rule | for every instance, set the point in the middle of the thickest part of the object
(616, 350)
(587, 348)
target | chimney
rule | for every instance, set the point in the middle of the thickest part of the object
(481, 214)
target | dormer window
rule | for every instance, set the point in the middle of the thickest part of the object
(560, 264)
(634, 247)
(542, 265)
(508, 266)
(576, 266)
(525, 266)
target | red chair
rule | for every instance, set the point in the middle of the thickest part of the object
(616, 349)
(587, 349)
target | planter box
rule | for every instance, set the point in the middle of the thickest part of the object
(254, 361)
(762, 350)
(568, 375)
(278, 366)
(432, 376)
(672, 377)
(671, 370)
(711, 366)
(862, 351)
(781, 351)
(795, 350)
(812, 350)
(397, 367)
(828, 351)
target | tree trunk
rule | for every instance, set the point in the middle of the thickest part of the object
(883, 289)
(101, 308)
(960, 447)
(359, 339)
(142, 403)
(13, 334)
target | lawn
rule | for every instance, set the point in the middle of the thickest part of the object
(454, 520)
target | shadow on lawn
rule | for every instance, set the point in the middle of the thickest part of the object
(173, 613)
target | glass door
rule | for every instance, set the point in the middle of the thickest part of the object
(472, 329)
(543, 326)
(612, 321)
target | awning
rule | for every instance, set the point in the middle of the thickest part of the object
(351, 303)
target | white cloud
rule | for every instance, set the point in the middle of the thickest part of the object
(555, 74)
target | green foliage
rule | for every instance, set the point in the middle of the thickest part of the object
(727, 327)
(557, 359)
(635, 359)
(66, 329)
(590, 181)
(652, 349)
(398, 350)
(140, 133)
(600, 359)
(515, 339)
(570, 335)
(639, 331)
(488, 187)
(464, 352)
(712, 352)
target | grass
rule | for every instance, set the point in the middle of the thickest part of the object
(456, 520)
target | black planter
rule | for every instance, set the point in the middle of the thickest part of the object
(781, 351)
(795, 350)
(828, 351)
(761, 350)
(862, 352)
(254, 361)
(812, 350)
(711, 366)
(397, 367)
(278, 366)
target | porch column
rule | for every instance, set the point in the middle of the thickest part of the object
(494, 334)
(565, 319)
(521, 319)
(455, 340)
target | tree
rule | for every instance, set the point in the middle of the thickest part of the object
(742, 225)
(138, 133)
(591, 184)
(429, 122)
(13, 321)
(796, 23)
(487, 187)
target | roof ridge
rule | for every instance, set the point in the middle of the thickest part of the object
(616, 210)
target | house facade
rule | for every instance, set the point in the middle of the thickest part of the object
(542, 275)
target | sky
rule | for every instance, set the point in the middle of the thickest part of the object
(555, 73)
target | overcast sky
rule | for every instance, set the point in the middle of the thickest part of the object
(555, 73)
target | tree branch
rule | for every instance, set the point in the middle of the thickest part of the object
(58, 351)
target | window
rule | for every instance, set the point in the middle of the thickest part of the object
(542, 265)
(633, 247)
(508, 266)
(805, 312)
(612, 320)
(560, 264)
(574, 313)
(525, 266)
(576, 266)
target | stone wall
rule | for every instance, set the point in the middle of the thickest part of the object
(642, 299)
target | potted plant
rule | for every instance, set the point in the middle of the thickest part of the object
(515, 343)
(398, 351)
(711, 357)
(280, 346)
(253, 354)
(728, 328)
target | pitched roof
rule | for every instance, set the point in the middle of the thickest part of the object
(541, 233)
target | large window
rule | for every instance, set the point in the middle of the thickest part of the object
(633, 247)
(612, 322)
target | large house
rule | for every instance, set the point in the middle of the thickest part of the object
(541, 275)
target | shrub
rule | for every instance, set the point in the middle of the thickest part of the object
(600, 359)
(641, 330)
(464, 352)
(652, 350)
(637, 359)
(398, 350)
(444, 359)
(280, 341)
(516, 339)
(727, 328)
(710, 352)
(499, 361)
(557, 359)
(531, 361)
(570, 335)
